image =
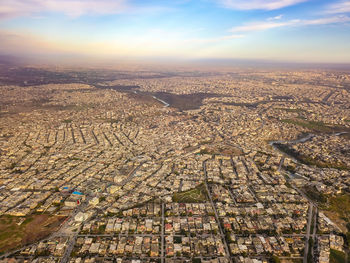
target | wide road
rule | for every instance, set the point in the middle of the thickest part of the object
(308, 228)
(216, 214)
(162, 235)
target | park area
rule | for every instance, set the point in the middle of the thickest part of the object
(195, 195)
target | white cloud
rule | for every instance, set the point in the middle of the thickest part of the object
(260, 26)
(259, 4)
(265, 25)
(327, 20)
(275, 18)
(74, 8)
(339, 8)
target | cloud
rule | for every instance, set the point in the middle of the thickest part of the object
(73, 8)
(259, 4)
(327, 20)
(275, 18)
(338, 8)
(260, 26)
(265, 25)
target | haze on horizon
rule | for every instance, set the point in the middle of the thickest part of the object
(315, 31)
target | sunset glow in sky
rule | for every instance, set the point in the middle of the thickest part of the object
(282, 30)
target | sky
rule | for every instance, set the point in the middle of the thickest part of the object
(316, 31)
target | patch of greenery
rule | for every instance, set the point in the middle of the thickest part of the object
(110, 120)
(291, 110)
(28, 220)
(67, 121)
(318, 126)
(74, 158)
(315, 195)
(290, 168)
(340, 205)
(177, 240)
(315, 126)
(309, 160)
(12, 165)
(337, 256)
(101, 229)
(348, 238)
(7, 235)
(205, 151)
(275, 259)
(309, 253)
(195, 195)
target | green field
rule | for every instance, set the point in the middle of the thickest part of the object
(195, 195)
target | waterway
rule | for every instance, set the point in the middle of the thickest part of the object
(158, 99)
(162, 101)
(302, 139)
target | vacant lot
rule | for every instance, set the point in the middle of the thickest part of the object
(13, 233)
(196, 195)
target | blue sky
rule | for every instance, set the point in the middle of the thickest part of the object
(281, 30)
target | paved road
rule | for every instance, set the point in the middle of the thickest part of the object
(314, 234)
(281, 163)
(131, 175)
(216, 214)
(67, 230)
(69, 248)
(180, 186)
(308, 228)
(311, 215)
(162, 235)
